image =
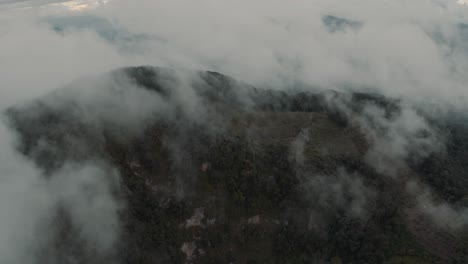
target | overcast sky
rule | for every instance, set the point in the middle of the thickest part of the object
(30, 2)
(11, 4)
(403, 47)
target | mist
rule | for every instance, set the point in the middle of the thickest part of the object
(414, 51)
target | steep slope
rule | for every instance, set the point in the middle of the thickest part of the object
(214, 170)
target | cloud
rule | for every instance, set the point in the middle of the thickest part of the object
(24, 204)
(72, 5)
(443, 214)
(412, 49)
(393, 51)
(417, 52)
(396, 131)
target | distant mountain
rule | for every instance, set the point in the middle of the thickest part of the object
(338, 24)
(102, 27)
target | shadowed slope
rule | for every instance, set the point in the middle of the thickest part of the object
(214, 170)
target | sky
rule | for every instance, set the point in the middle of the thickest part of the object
(414, 48)
(72, 5)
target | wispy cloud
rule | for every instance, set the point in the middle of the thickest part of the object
(414, 49)
(72, 5)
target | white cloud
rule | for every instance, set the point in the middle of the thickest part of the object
(413, 48)
(394, 50)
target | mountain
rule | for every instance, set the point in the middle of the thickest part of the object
(214, 170)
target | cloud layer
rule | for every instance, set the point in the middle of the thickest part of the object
(415, 49)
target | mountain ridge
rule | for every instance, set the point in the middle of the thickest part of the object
(221, 171)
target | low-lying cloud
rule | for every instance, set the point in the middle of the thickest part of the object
(416, 50)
